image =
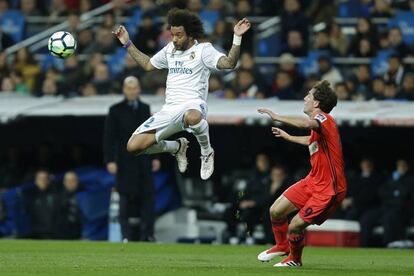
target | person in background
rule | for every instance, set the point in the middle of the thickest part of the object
(41, 203)
(133, 173)
(68, 221)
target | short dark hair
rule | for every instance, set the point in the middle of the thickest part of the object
(191, 22)
(325, 95)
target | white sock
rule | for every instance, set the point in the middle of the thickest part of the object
(163, 146)
(200, 131)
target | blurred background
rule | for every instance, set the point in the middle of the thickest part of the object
(52, 115)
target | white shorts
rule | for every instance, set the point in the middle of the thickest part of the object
(170, 119)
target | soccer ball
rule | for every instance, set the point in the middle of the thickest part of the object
(61, 44)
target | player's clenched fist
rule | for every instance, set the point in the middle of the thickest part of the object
(122, 34)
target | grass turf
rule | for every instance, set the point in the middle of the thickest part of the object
(25, 257)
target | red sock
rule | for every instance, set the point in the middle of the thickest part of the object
(280, 230)
(296, 242)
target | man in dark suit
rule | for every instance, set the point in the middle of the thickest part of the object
(133, 173)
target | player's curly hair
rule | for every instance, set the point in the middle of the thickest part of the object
(191, 22)
(325, 95)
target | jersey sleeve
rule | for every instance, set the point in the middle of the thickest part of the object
(325, 122)
(211, 56)
(159, 60)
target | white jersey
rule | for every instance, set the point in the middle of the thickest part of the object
(188, 71)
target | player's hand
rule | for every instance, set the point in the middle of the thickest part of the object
(241, 27)
(277, 132)
(271, 114)
(112, 167)
(122, 34)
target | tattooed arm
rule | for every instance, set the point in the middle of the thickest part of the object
(230, 61)
(142, 59)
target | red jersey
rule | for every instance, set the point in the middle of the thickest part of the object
(326, 157)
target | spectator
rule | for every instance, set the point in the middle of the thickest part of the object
(321, 10)
(244, 9)
(85, 41)
(362, 195)
(397, 44)
(25, 64)
(395, 70)
(365, 49)
(101, 79)
(395, 196)
(407, 89)
(131, 68)
(57, 8)
(41, 204)
(322, 43)
(51, 74)
(382, 8)
(29, 8)
(338, 40)
(49, 88)
(292, 18)
(89, 67)
(390, 91)
(221, 36)
(72, 77)
(282, 86)
(249, 207)
(105, 43)
(73, 24)
(364, 30)
(361, 81)
(19, 86)
(215, 86)
(133, 173)
(327, 71)
(342, 92)
(287, 64)
(147, 36)
(378, 88)
(68, 224)
(88, 90)
(245, 85)
(7, 84)
(295, 44)
(247, 63)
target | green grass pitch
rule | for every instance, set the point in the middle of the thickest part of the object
(24, 257)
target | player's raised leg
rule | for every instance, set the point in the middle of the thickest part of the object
(296, 238)
(279, 212)
(195, 121)
(146, 143)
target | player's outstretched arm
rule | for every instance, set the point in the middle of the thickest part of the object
(230, 61)
(302, 140)
(142, 59)
(293, 121)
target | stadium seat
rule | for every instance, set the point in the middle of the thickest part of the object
(405, 21)
(12, 22)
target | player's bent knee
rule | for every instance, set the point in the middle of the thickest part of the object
(192, 117)
(275, 213)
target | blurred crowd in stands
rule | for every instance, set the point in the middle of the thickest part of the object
(307, 31)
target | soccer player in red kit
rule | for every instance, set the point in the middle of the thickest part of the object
(317, 195)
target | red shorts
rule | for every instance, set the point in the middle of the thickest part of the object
(314, 208)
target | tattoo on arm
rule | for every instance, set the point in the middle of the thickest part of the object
(142, 59)
(229, 61)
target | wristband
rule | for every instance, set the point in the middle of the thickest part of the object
(126, 45)
(237, 40)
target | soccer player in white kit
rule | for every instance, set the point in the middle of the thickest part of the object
(189, 63)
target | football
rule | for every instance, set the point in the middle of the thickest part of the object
(61, 44)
